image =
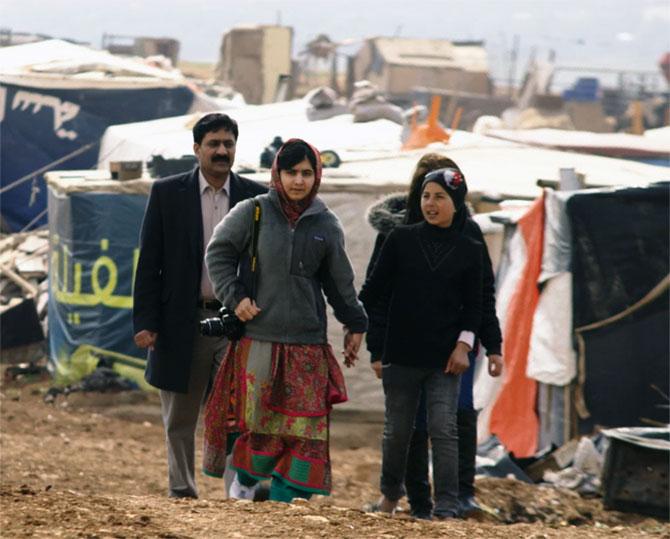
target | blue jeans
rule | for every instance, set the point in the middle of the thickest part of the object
(402, 390)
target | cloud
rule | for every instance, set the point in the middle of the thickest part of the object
(522, 16)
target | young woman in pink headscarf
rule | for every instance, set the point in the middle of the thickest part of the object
(276, 386)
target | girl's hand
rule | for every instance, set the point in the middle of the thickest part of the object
(246, 310)
(458, 360)
(352, 342)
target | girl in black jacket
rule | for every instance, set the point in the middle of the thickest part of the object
(384, 217)
(432, 273)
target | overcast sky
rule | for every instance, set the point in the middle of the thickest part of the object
(605, 33)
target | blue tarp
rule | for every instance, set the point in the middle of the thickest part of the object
(94, 248)
(40, 126)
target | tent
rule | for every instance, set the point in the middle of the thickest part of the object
(583, 299)
(370, 152)
(93, 237)
(56, 100)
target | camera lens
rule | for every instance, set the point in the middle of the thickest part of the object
(211, 327)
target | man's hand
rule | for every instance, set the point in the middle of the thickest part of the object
(352, 342)
(377, 367)
(146, 339)
(495, 365)
(458, 360)
(246, 310)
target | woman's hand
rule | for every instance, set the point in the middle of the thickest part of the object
(458, 360)
(352, 342)
(246, 310)
(495, 365)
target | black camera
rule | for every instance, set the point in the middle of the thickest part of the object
(224, 325)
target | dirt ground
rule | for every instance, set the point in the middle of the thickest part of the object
(93, 465)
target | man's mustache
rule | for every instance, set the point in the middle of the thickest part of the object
(224, 159)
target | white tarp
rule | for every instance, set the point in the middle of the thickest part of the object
(258, 124)
(551, 357)
(656, 141)
(57, 63)
(371, 151)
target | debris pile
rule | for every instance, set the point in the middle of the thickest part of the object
(629, 474)
(102, 380)
(24, 295)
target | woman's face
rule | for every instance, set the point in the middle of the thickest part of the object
(436, 205)
(298, 180)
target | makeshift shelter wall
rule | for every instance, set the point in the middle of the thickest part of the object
(620, 278)
(628, 359)
(620, 255)
(93, 253)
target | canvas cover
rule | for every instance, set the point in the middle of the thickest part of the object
(620, 254)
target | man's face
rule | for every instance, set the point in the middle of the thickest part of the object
(216, 154)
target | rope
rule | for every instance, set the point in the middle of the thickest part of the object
(35, 219)
(45, 168)
(654, 293)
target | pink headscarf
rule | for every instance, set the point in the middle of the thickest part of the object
(293, 208)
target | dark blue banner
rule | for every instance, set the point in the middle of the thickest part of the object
(40, 126)
(94, 250)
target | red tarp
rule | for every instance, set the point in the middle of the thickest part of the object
(513, 419)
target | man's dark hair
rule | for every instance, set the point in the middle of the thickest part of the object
(213, 122)
(293, 152)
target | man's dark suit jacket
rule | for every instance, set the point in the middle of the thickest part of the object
(167, 281)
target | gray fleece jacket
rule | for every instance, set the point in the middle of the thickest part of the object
(294, 267)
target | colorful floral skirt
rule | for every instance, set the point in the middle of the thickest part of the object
(277, 397)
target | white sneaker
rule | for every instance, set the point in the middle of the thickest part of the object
(239, 492)
(229, 475)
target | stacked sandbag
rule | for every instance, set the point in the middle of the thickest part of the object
(368, 104)
(324, 103)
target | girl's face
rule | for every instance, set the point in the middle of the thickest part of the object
(436, 205)
(298, 180)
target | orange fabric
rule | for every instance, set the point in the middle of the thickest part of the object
(513, 418)
(425, 134)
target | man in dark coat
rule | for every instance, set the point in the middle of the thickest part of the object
(173, 292)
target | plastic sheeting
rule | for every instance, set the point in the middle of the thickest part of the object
(621, 253)
(93, 253)
(551, 358)
(41, 126)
